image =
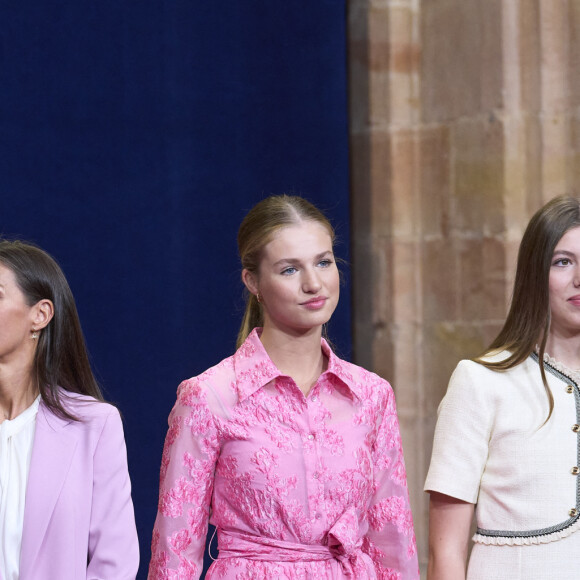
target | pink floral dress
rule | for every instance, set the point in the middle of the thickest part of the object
(297, 487)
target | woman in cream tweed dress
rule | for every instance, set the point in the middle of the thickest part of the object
(507, 442)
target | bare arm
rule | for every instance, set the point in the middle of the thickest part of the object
(449, 526)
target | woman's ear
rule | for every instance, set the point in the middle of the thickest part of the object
(43, 312)
(250, 280)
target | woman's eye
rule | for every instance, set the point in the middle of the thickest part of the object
(325, 263)
(562, 262)
(288, 271)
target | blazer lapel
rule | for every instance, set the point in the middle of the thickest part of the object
(52, 452)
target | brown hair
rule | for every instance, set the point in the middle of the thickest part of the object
(256, 230)
(61, 358)
(528, 321)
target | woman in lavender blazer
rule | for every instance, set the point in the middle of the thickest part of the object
(65, 496)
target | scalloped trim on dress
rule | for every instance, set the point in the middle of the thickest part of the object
(556, 364)
(528, 540)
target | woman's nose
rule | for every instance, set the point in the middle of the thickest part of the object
(311, 282)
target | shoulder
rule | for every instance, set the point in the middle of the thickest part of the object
(477, 387)
(365, 383)
(87, 406)
(98, 423)
(467, 369)
(496, 356)
(222, 370)
(478, 371)
(371, 379)
(218, 375)
(91, 413)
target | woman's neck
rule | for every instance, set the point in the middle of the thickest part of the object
(299, 357)
(17, 392)
(565, 349)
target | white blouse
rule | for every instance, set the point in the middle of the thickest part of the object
(16, 438)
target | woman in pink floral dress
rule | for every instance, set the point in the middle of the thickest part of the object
(291, 453)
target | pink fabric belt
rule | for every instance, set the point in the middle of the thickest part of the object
(353, 561)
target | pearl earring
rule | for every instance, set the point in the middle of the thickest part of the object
(34, 334)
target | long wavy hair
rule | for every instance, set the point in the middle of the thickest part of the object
(257, 229)
(528, 322)
(61, 358)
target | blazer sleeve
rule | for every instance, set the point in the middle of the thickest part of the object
(186, 485)
(390, 540)
(113, 542)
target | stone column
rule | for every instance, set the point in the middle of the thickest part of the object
(464, 119)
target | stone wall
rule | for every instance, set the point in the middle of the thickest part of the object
(464, 119)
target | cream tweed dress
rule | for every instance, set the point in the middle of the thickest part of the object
(492, 449)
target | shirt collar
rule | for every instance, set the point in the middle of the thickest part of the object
(254, 368)
(342, 370)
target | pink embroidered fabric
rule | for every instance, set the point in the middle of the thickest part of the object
(297, 487)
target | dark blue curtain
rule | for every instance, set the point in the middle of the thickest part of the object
(134, 136)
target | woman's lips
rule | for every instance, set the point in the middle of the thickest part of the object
(316, 303)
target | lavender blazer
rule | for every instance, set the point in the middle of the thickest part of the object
(78, 517)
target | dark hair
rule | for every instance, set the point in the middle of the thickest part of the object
(61, 358)
(256, 230)
(528, 322)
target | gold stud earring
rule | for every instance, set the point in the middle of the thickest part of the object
(259, 298)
